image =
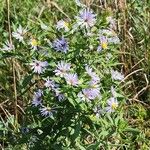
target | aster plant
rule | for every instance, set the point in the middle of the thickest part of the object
(70, 80)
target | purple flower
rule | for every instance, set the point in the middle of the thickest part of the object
(61, 45)
(112, 22)
(89, 94)
(117, 75)
(95, 92)
(85, 95)
(72, 79)
(50, 84)
(112, 104)
(86, 18)
(47, 111)
(7, 46)
(62, 69)
(25, 130)
(37, 98)
(59, 95)
(39, 66)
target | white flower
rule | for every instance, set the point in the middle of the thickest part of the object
(114, 40)
(62, 69)
(92, 74)
(112, 104)
(61, 24)
(107, 32)
(44, 27)
(19, 33)
(7, 46)
(113, 91)
(34, 44)
(78, 3)
(39, 66)
(117, 75)
(108, 56)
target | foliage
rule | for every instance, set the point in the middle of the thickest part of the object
(80, 107)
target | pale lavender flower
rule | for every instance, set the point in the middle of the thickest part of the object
(39, 66)
(72, 79)
(89, 94)
(50, 84)
(19, 34)
(99, 48)
(61, 45)
(7, 46)
(112, 22)
(37, 98)
(85, 95)
(61, 24)
(117, 75)
(114, 40)
(47, 111)
(92, 74)
(112, 104)
(59, 95)
(62, 68)
(86, 18)
(95, 93)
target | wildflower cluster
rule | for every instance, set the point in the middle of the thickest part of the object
(72, 74)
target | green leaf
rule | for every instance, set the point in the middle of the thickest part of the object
(27, 80)
(132, 130)
(93, 146)
(76, 131)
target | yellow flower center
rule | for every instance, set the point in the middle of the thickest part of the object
(48, 109)
(66, 24)
(104, 45)
(34, 42)
(114, 105)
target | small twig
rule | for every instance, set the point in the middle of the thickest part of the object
(131, 74)
(143, 89)
(41, 11)
(21, 109)
(55, 4)
(134, 99)
(137, 63)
